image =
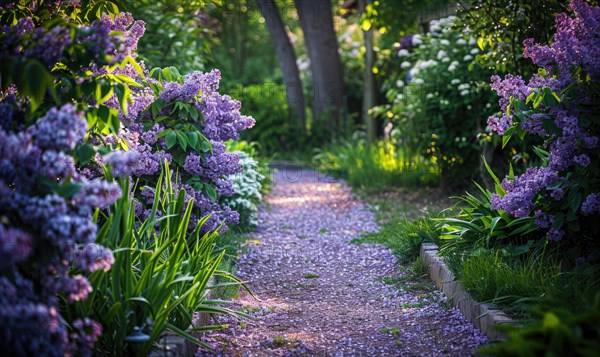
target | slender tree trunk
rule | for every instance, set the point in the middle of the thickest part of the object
(316, 20)
(287, 60)
(369, 77)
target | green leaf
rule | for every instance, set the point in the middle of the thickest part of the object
(103, 92)
(489, 170)
(530, 97)
(211, 192)
(125, 79)
(575, 199)
(537, 99)
(37, 79)
(182, 138)
(193, 113)
(549, 97)
(114, 121)
(493, 224)
(205, 145)
(187, 336)
(171, 139)
(520, 132)
(131, 61)
(507, 135)
(67, 190)
(85, 153)
(123, 93)
(163, 133)
(481, 43)
(559, 220)
(193, 139)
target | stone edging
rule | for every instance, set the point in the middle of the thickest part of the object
(481, 315)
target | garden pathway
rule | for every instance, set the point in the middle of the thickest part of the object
(322, 295)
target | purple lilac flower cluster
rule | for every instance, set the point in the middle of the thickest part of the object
(59, 227)
(132, 30)
(49, 46)
(576, 46)
(406, 42)
(510, 87)
(222, 121)
(521, 191)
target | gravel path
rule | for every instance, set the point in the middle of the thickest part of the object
(322, 295)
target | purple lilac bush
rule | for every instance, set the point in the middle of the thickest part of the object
(560, 105)
(182, 120)
(46, 234)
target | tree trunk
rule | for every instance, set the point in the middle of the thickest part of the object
(316, 20)
(369, 77)
(287, 60)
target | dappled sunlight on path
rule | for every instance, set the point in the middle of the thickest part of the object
(321, 294)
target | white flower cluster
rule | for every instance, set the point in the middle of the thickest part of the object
(247, 185)
(442, 25)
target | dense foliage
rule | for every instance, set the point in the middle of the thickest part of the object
(78, 113)
(560, 105)
(531, 245)
(438, 97)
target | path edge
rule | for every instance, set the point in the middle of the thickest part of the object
(481, 315)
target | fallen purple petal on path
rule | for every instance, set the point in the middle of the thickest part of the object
(321, 294)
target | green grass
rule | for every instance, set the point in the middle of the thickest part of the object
(516, 284)
(377, 167)
(403, 236)
(414, 279)
(311, 276)
(390, 330)
(405, 220)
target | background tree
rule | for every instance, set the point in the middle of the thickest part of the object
(316, 20)
(287, 60)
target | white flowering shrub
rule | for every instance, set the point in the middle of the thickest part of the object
(439, 97)
(247, 186)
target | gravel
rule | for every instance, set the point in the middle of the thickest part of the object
(322, 295)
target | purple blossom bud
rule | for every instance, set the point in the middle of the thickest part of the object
(122, 163)
(94, 257)
(98, 194)
(60, 129)
(582, 160)
(555, 235)
(15, 246)
(77, 288)
(591, 204)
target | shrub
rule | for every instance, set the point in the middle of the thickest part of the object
(557, 333)
(45, 205)
(247, 186)
(69, 82)
(497, 242)
(437, 99)
(184, 120)
(560, 105)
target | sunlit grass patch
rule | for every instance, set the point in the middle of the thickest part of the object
(375, 167)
